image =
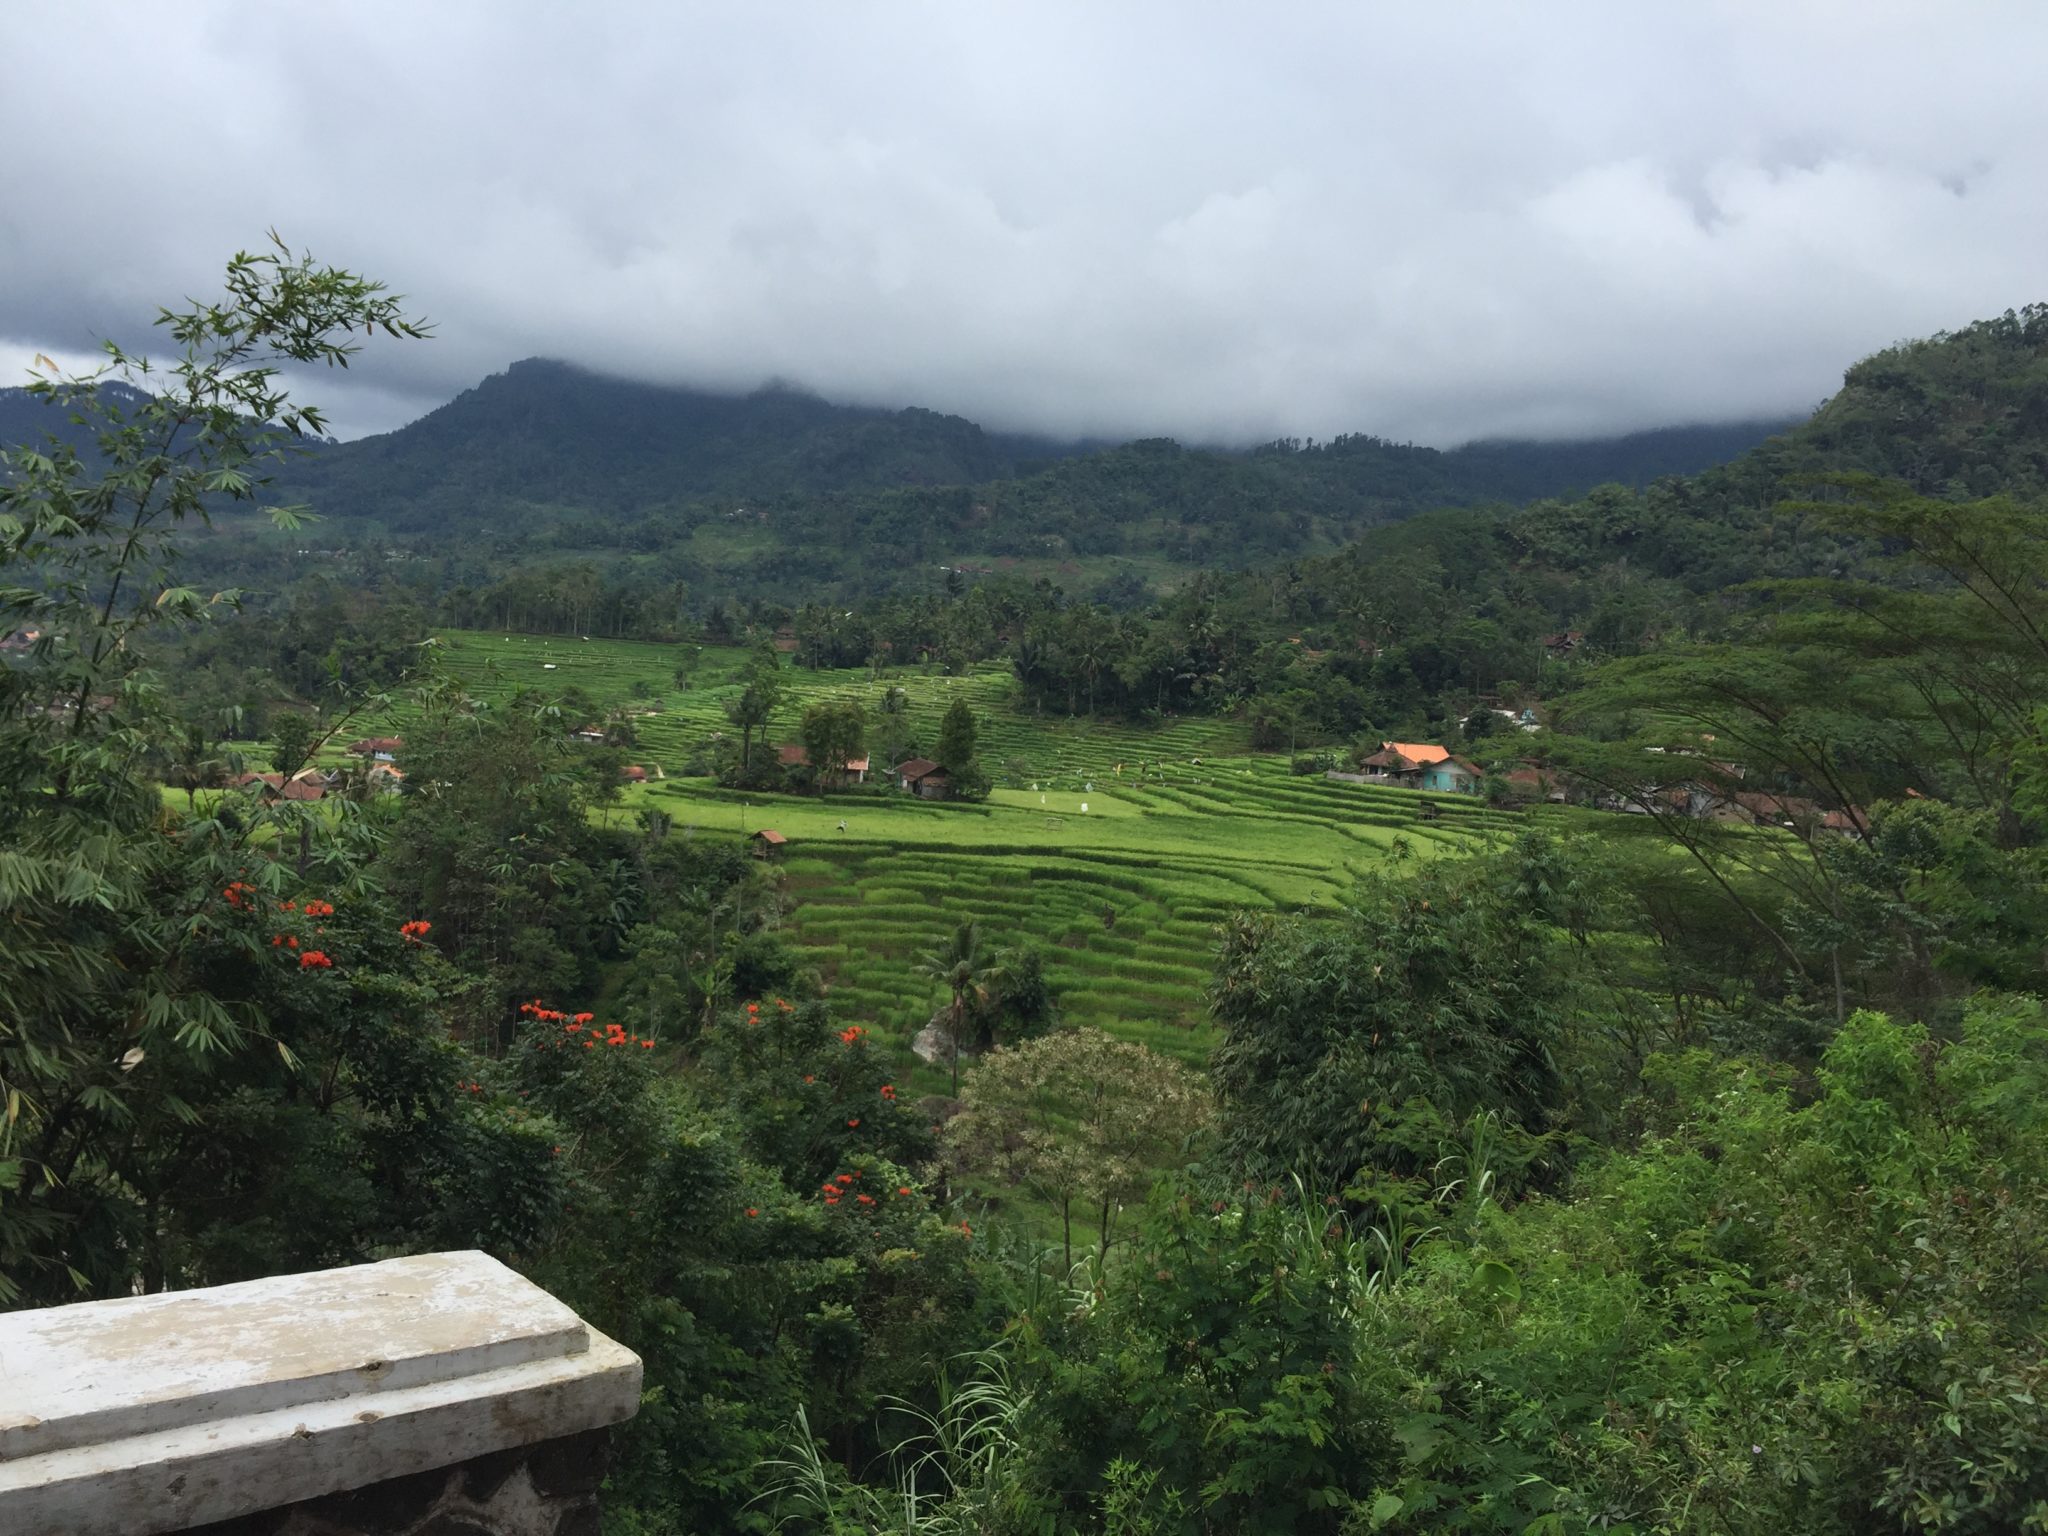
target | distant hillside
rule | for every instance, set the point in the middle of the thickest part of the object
(1959, 415)
(779, 493)
(1410, 623)
(545, 433)
(30, 420)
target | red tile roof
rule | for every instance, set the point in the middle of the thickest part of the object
(1423, 752)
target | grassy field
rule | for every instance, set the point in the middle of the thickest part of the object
(1120, 876)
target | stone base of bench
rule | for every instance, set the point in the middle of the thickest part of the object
(549, 1489)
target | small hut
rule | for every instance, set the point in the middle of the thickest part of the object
(766, 843)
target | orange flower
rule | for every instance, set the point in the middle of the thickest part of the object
(646, 1045)
(753, 1211)
(865, 1199)
(846, 1178)
(854, 1123)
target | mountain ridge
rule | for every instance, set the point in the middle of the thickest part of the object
(778, 487)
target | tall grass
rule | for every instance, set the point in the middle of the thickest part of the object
(951, 1470)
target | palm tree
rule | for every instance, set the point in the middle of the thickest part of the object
(196, 764)
(970, 973)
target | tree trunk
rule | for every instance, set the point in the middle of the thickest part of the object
(959, 1011)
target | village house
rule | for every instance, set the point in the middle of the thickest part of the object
(792, 755)
(924, 778)
(307, 784)
(1454, 775)
(912, 771)
(1390, 765)
(381, 748)
(1521, 719)
(1536, 783)
(1422, 765)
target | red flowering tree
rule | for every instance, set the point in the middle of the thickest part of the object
(745, 1291)
(121, 993)
(809, 1091)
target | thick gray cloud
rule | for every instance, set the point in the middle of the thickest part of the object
(1223, 222)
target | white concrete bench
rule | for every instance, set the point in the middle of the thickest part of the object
(441, 1390)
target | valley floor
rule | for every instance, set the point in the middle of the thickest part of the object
(1115, 848)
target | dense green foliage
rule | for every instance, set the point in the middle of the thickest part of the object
(1675, 1162)
(1446, 989)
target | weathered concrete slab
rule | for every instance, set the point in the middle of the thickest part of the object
(152, 1414)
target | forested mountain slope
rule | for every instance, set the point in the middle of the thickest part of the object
(1403, 628)
(546, 434)
(780, 494)
(546, 443)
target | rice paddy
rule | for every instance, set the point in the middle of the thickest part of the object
(1114, 848)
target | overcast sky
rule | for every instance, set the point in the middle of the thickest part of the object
(1224, 223)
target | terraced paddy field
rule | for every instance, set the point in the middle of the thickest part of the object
(1117, 849)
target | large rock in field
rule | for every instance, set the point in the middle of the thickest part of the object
(934, 1043)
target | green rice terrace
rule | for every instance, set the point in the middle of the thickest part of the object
(1115, 848)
